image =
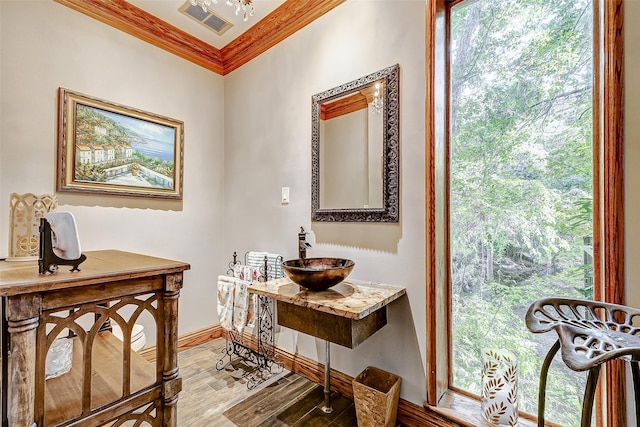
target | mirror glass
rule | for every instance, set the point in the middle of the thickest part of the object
(355, 150)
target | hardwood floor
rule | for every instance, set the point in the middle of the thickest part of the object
(220, 398)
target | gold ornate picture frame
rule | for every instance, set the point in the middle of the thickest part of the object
(110, 149)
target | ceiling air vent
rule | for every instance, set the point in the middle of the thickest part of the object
(209, 19)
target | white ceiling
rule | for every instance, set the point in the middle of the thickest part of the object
(168, 10)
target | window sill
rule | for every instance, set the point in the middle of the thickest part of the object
(464, 410)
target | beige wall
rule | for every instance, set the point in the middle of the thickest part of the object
(268, 146)
(45, 46)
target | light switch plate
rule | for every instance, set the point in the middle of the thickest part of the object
(285, 195)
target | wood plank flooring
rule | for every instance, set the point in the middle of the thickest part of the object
(220, 398)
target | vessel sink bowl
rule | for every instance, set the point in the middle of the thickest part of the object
(317, 274)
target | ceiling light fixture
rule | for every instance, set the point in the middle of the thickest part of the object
(246, 6)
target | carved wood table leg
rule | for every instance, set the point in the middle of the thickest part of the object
(22, 318)
(172, 383)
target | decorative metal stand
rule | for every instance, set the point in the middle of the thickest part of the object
(263, 359)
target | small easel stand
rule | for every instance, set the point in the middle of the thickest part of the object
(48, 261)
(263, 360)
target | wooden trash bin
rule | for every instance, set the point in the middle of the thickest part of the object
(376, 394)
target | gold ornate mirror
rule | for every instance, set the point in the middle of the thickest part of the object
(355, 150)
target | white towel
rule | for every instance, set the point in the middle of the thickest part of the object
(64, 235)
(256, 259)
(274, 269)
(237, 270)
(249, 273)
(226, 287)
(252, 311)
(275, 261)
(240, 304)
(245, 272)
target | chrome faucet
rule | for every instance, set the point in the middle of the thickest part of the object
(303, 245)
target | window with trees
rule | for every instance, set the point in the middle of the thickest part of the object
(524, 188)
(521, 183)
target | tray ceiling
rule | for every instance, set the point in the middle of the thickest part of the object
(168, 11)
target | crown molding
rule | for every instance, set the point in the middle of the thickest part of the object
(285, 20)
(134, 21)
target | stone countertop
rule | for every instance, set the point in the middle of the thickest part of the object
(353, 299)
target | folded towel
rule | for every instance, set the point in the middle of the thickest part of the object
(256, 259)
(65, 241)
(245, 272)
(274, 269)
(250, 274)
(253, 309)
(275, 260)
(240, 304)
(226, 287)
(237, 270)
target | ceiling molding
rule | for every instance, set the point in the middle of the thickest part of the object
(285, 20)
(138, 23)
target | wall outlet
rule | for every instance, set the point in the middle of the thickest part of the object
(285, 195)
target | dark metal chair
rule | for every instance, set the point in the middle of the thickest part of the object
(590, 333)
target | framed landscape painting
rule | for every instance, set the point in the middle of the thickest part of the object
(106, 148)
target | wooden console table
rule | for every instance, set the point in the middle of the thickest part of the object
(108, 383)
